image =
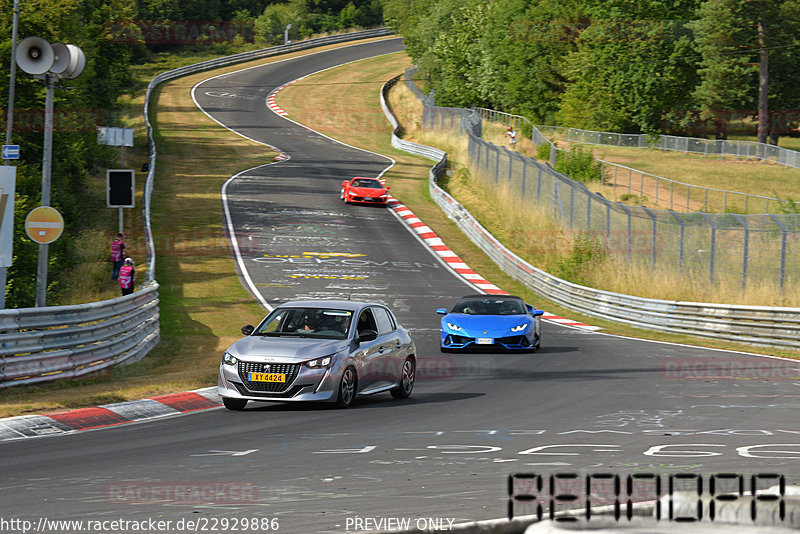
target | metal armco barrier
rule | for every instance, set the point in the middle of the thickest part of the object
(757, 325)
(54, 342)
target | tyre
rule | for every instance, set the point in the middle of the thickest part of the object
(347, 388)
(234, 404)
(403, 390)
(537, 343)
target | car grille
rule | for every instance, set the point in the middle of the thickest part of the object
(291, 370)
(516, 341)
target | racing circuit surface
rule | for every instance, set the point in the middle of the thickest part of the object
(587, 403)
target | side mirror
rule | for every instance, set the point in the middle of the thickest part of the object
(367, 335)
(247, 330)
(388, 187)
(537, 313)
(442, 311)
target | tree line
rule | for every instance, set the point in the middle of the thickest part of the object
(685, 67)
(115, 34)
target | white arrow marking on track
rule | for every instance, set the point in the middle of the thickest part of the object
(227, 453)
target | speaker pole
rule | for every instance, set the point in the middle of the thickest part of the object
(41, 271)
(10, 126)
(12, 79)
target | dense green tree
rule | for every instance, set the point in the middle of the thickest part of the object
(749, 56)
(525, 44)
(627, 74)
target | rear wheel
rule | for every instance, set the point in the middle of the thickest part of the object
(234, 404)
(347, 388)
(403, 390)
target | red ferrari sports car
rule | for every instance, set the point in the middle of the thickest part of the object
(365, 191)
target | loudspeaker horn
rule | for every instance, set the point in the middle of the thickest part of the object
(34, 55)
(77, 61)
(69, 61)
(61, 58)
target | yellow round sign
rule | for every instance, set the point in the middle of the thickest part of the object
(44, 224)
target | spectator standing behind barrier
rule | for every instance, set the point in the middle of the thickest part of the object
(127, 277)
(512, 137)
(117, 255)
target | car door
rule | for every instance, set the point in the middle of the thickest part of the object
(388, 360)
(368, 354)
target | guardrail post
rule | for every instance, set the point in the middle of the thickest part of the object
(712, 246)
(745, 247)
(784, 231)
(653, 237)
(524, 176)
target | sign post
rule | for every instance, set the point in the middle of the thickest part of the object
(8, 175)
(120, 190)
(43, 225)
(10, 152)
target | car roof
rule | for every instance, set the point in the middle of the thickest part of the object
(499, 297)
(329, 303)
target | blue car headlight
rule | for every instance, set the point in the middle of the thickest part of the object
(229, 359)
(454, 327)
(519, 328)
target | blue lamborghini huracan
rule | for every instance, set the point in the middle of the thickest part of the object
(494, 322)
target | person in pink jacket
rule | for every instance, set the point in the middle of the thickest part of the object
(117, 255)
(127, 277)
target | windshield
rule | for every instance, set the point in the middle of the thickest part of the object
(368, 183)
(326, 323)
(490, 306)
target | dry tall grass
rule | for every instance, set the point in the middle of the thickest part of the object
(532, 234)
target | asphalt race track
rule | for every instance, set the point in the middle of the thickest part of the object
(587, 403)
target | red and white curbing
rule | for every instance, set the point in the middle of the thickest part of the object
(271, 98)
(31, 426)
(430, 238)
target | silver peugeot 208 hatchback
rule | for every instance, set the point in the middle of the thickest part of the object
(319, 350)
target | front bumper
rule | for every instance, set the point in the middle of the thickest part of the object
(302, 384)
(515, 342)
(367, 200)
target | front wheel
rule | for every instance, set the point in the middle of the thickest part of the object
(403, 390)
(537, 343)
(347, 388)
(234, 404)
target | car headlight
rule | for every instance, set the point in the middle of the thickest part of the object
(229, 359)
(320, 363)
(454, 327)
(520, 328)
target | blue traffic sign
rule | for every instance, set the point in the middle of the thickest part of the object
(10, 151)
